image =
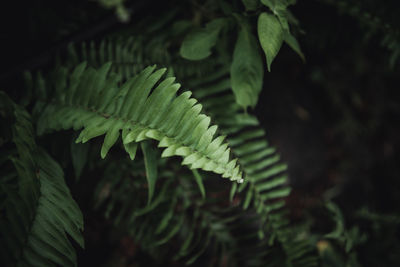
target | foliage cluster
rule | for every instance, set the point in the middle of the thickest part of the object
(175, 91)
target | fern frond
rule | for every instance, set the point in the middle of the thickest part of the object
(267, 180)
(40, 212)
(129, 55)
(91, 99)
(266, 183)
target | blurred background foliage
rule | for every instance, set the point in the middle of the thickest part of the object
(335, 119)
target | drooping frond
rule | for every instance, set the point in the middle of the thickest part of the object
(267, 178)
(92, 99)
(39, 212)
(266, 183)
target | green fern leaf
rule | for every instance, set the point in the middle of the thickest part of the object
(270, 33)
(93, 101)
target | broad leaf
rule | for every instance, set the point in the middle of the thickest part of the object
(270, 34)
(197, 45)
(247, 69)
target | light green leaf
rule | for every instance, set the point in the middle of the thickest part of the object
(270, 33)
(292, 42)
(131, 149)
(199, 181)
(247, 71)
(197, 45)
(109, 140)
(150, 160)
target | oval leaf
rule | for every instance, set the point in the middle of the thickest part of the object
(246, 70)
(270, 34)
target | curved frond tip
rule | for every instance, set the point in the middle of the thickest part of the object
(144, 107)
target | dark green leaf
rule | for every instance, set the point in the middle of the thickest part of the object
(197, 45)
(247, 71)
(251, 4)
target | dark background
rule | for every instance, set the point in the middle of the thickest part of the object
(334, 119)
